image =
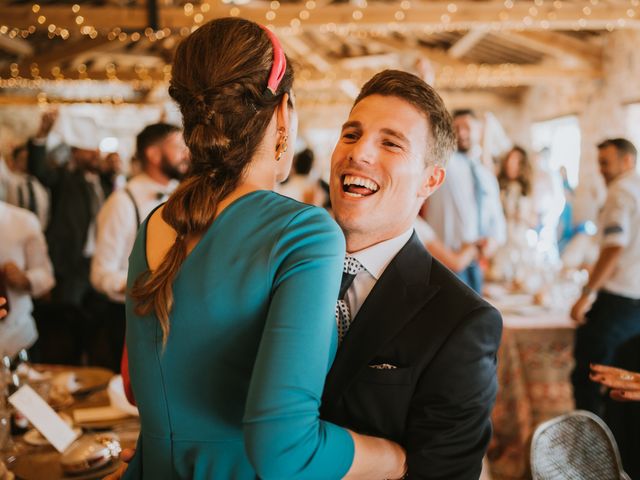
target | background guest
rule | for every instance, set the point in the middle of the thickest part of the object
(22, 189)
(164, 158)
(26, 271)
(466, 209)
(549, 201)
(614, 282)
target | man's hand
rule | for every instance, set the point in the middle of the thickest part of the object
(126, 455)
(487, 246)
(46, 123)
(15, 277)
(580, 309)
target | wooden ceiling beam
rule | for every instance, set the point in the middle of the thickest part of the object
(421, 15)
(469, 76)
(556, 45)
(65, 52)
(467, 42)
(16, 46)
(305, 54)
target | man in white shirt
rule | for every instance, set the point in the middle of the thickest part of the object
(467, 209)
(608, 311)
(26, 271)
(164, 158)
(24, 190)
(416, 361)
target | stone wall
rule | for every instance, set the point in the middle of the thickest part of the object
(599, 106)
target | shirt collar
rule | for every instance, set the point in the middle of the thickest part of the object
(376, 258)
(157, 187)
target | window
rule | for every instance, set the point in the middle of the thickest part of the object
(562, 137)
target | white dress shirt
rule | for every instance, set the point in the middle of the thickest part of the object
(116, 232)
(620, 226)
(375, 260)
(450, 210)
(22, 243)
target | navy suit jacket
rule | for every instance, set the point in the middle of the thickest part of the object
(443, 339)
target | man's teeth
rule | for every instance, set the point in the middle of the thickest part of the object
(356, 195)
(362, 182)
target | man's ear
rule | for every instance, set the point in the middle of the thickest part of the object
(434, 176)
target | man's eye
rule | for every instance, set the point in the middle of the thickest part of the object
(387, 143)
(349, 136)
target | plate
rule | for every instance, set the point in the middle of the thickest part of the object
(38, 467)
(35, 438)
(91, 379)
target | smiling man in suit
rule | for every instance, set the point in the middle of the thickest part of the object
(417, 359)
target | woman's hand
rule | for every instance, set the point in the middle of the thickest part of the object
(624, 385)
(126, 456)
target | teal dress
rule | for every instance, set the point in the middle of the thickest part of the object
(236, 392)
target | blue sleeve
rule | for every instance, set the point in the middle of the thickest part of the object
(284, 436)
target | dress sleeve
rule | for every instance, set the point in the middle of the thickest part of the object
(284, 436)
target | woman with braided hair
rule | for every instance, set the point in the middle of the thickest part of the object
(232, 288)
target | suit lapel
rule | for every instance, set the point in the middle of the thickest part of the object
(402, 291)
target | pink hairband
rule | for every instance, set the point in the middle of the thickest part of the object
(279, 62)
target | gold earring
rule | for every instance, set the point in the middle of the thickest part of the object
(282, 147)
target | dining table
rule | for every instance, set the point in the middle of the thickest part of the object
(535, 360)
(32, 458)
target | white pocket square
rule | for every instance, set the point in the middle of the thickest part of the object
(383, 366)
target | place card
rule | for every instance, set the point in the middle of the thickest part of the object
(43, 417)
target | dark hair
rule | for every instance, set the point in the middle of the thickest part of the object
(622, 145)
(303, 162)
(462, 112)
(525, 172)
(414, 90)
(219, 80)
(152, 135)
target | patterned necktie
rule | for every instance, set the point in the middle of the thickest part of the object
(478, 192)
(350, 269)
